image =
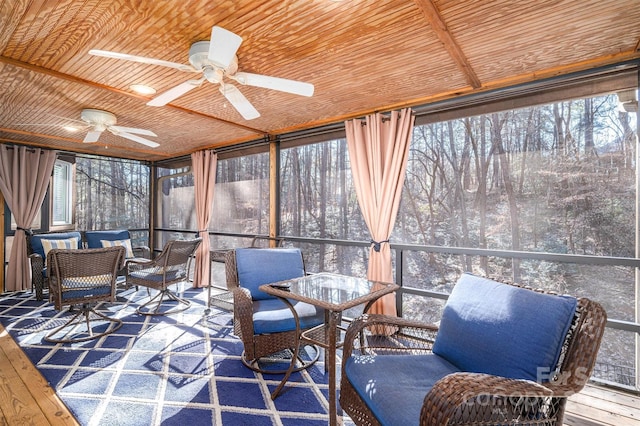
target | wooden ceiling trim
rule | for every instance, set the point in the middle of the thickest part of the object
(438, 25)
(90, 150)
(74, 145)
(60, 75)
(39, 135)
(144, 152)
(563, 69)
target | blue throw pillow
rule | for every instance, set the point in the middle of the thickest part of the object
(495, 328)
(264, 266)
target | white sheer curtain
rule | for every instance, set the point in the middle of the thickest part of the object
(203, 166)
(24, 177)
(378, 152)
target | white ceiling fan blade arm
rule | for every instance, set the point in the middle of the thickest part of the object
(92, 136)
(174, 93)
(274, 83)
(239, 102)
(142, 59)
(138, 139)
(133, 130)
(223, 46)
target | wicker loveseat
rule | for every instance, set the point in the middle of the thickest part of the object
(502, 354)
(40, 244)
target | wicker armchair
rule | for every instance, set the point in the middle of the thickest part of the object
(264, 323)
(84, 278)
(172, 266)
(397, 371)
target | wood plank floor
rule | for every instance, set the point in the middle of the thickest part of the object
(27, 399)
(25, 396)
(598, 405)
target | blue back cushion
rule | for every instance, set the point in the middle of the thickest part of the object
(495, 328)
(36, 240)
(93, 238)
(263, 266)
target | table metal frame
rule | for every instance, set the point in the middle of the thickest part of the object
(326, 335)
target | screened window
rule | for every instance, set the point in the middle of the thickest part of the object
(240, 205)
(241, 197)
(111, 194)
(317, 199)
(558, 178)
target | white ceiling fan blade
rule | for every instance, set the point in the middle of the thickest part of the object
(239, 102)
(138, 139)
(174, 93)
(133, 130)
(142, 59)
(92, 136)
(223, 46)
(274, 83)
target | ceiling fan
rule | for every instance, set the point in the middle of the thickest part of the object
(99, 121)
(216, 59)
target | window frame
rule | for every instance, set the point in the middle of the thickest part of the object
(70, 188)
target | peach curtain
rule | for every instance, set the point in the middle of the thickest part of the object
(378, 152)
(24, 177)
(203, 166)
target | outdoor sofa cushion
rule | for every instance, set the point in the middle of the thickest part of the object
(94, 238)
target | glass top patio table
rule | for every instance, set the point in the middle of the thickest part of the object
(335, 293)
(330, 291)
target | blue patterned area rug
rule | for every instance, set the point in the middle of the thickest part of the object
(179, 369)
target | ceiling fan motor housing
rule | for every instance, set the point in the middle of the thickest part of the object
(199, 58)
(98, 118)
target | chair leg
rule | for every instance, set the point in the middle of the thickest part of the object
(152, 306)
(84, 317)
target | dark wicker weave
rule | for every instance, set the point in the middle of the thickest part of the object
(256, 346)
(37, 278)
(472, 398)
(170, 267)
(83, 277)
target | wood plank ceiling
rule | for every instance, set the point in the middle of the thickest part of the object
(361, 56)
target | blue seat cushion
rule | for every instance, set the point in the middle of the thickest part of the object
(263, 266)
(94, 238)
(36, 240)
(86, 293)
(376, 379)
(503, 330)
(274, 316)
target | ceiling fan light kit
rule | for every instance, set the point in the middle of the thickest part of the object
(216, 60)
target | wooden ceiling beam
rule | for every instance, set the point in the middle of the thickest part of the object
(74, 79)
(438, 25)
